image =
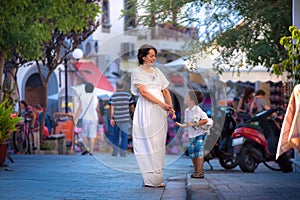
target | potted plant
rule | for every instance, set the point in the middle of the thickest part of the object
(7, 126)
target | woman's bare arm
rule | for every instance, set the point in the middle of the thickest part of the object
(167, 96)
(146, 94)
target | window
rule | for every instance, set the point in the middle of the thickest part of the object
(105, 17)
(129, 19)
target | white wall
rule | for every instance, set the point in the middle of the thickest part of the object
(296, 13)
(115, 12)
(110, 43)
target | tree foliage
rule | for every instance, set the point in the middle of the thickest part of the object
(153, 12)
(255, 39)
(244, 33)
(38, 30)
(46, 31)
(291, 64)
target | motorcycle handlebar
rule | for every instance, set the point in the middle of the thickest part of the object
(263, 114)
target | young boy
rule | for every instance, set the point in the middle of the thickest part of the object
(194, 118)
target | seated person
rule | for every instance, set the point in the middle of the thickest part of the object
(39, 115)
(27, 112)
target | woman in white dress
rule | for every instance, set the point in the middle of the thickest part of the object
(150, 116)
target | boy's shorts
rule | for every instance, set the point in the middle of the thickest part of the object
(196, 146)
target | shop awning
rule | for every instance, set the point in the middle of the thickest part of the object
(258, 73)
(94, 75)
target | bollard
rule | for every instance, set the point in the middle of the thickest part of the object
(37, 144)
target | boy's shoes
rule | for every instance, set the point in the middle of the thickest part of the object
(197, 174)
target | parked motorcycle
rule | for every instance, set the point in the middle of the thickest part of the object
(256, 141)
(223, 149)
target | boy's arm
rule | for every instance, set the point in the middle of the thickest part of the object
(184, 125)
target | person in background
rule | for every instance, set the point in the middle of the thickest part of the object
(243, 108)
(150, 125)
(235, 102)
(259, 103)
(194, 118)
(27, 112)
(39, 115)
(90, 115)
(121, 106)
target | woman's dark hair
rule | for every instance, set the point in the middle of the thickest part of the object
(144, 51)
(247, 94)
(89, 87)
(196, 96)
(24, 103)
(248, 91)
(38, 106)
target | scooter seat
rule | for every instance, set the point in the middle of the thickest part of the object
(253, 126)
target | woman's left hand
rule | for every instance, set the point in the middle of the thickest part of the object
(172, 112)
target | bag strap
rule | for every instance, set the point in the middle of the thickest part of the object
(87, 107)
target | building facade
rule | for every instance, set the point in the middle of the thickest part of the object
(112, 48)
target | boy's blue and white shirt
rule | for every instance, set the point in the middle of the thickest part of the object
(194, 115)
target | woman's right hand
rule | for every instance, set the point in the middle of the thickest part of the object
(166, 107)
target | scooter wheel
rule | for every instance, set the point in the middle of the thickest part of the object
(246, 161)
(228, 161)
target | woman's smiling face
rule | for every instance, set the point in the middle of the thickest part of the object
(150, 58)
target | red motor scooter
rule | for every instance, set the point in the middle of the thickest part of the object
(256, 141)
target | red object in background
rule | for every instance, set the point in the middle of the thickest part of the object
(46, 132)
(177, 80)
(94, 75)
(13, 115)
(66, 127)
(253, 135)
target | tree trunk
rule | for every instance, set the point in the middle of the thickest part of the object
(1, 74)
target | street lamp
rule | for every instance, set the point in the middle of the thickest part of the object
(77, 54)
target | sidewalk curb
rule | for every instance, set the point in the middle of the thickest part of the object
(188, 187)
(175, 188)
(201, 189)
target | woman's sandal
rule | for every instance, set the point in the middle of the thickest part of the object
(197, 175)
(161, 185)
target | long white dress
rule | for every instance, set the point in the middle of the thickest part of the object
(149, 126)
